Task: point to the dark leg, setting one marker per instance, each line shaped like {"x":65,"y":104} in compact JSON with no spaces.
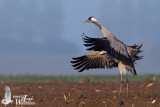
{"x":121,"y":84}
{"x":127,"y":84}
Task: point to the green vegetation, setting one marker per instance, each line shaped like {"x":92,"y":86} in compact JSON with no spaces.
{"x":75,"y":78}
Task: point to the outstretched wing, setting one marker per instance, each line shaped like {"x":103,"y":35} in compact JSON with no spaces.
{"x":7,"y":94}
{"x":95,"y":59}
{"x":115,"y":48}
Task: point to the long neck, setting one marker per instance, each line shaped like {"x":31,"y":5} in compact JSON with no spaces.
{"x":105,"y":31}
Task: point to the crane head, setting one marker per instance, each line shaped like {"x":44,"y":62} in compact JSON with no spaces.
{"x":90,"y":20}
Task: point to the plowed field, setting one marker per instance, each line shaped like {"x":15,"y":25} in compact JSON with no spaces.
{"x":85,"y":94}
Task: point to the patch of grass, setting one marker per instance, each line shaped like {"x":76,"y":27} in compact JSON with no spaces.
{"x":75,"y":78}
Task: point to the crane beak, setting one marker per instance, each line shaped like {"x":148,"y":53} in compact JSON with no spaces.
{"x":86,"y":21}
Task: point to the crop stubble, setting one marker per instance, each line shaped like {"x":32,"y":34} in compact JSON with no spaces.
{"x":86,"y":94}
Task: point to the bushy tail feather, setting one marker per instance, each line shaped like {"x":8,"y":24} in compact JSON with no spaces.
{"x":134,"y":52}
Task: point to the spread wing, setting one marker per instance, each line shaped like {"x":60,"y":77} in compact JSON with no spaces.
{"x":93,"y":60}
{"x":115,"y":48}
{"x":7,"y":94}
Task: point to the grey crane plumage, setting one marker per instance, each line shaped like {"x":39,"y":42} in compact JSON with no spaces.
{"x":108,"y":52}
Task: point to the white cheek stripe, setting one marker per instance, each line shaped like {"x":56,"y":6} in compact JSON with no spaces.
{"x":93,"y":19}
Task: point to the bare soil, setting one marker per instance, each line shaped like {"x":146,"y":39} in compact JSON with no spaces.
{"x":85,"y":94}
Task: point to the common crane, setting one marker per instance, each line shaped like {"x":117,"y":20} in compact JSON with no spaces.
{"x":108,"y":52}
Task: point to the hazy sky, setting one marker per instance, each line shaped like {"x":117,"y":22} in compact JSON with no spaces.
{"x":41,"y":36}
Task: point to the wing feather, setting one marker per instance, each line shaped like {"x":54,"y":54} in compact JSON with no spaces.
{"x":113,"y":46}
{"x":116,"y":49}
{"x":95,"y":59}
